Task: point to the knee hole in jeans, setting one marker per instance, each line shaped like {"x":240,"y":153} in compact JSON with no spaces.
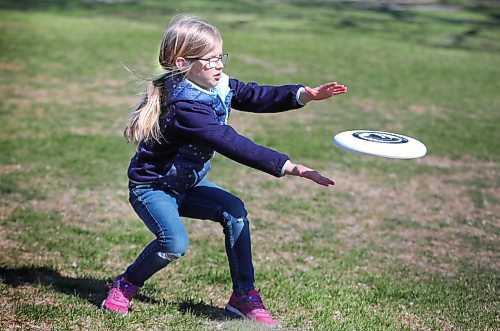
{"x":228,"y":218}
{"x":234,"y":226}
{"x":169,"y":256}
{"x":172,"y":250}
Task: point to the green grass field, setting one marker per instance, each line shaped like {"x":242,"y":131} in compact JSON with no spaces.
{"x":394,"y":245}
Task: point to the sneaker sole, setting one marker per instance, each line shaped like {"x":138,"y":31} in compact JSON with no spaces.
{"x":235,"y":312}
{"x":113,"y":311}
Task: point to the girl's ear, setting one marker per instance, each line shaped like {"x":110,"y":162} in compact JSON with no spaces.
{"x":180,"y":62}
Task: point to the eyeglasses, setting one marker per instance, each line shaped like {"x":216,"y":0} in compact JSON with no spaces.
{"x":213,"y":61}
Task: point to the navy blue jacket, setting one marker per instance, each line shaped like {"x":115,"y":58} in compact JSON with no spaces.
{"x":197,"y":126}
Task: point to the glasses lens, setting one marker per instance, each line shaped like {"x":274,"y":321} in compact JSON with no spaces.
{"x":212,"y":63}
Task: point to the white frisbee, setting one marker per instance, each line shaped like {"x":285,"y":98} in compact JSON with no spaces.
{"x":378,"y":143}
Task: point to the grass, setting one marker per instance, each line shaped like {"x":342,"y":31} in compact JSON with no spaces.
{"x":395,"y":245}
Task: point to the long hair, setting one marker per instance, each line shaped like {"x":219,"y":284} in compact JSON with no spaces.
{"x":188,"y":37}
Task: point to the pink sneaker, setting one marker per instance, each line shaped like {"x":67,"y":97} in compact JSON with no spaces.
{"x":250,"y":306}
{"x":120,"y":294}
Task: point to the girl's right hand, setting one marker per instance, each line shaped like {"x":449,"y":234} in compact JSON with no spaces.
{"x":303,"y":171}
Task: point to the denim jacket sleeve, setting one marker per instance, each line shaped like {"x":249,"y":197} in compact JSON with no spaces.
{"x":252,"y":97}
{"x":197,"y":123}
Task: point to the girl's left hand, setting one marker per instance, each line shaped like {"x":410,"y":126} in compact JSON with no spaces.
{"x":322,"y":92}
{"x":302,"y":171}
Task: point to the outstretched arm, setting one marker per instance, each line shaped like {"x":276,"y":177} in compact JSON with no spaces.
{"x":303,"y":171}
{"x":255,"y":98}
{"x":321,"y":92}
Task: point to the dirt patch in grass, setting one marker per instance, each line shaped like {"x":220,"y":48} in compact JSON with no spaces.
{"x":95,"y":211}
{"x":247,"y":124}
{"x":5,"y":243}
{"x":432,"y":110}
{"x":10,"y":168}
{"x":391,"y":113}
{"x":11,"y":66}
{"x":463,"y":163}
{"x":108,"y":100}
{"x":413,"y":322}
{"x":41,"y":91}
{"x":267,"y":66}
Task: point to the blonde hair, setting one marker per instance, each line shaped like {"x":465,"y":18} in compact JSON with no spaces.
{"x":188,"y":37}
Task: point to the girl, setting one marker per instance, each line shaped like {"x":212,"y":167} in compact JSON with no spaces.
{"x":178,"y":126}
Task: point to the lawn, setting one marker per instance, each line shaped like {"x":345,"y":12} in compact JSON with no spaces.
{"x":394,"y":245}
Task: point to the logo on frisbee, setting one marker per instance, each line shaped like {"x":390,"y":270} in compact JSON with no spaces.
{"x":380,"y":137}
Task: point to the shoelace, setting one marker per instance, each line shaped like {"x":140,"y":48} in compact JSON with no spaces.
{"x":255,"y":302}
{"x":122,"y":291}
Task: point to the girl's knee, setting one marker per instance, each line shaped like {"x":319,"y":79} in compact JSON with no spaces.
{"x":172,"y":248}
{"x":168,"y":256}
{"x":235,"y":226}
{"x":234,"y":214}
{"x":236,"y":208}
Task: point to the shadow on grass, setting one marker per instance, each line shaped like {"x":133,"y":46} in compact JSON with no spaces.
{"x":202,"y":309}
{"x":94,"y":290}
{"x":91,"y":289}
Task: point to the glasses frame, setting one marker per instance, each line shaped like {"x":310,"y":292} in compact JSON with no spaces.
{"x":212,"y":62}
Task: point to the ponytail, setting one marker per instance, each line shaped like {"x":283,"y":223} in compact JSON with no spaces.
{"x":143,"y":124}
{"x":187,"y":37}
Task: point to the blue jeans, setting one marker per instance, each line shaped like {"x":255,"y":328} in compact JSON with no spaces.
{"x":161,"y":210}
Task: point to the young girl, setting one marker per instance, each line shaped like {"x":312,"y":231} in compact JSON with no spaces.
{"x":178,"y":126}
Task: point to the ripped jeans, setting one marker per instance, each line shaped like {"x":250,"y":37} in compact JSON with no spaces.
{"x":161,"y":210}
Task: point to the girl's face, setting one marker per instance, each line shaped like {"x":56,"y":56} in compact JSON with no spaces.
{"x":202,"y":73}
